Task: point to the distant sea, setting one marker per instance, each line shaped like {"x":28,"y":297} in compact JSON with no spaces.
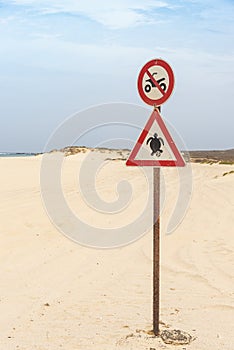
{"x":11,"y":154}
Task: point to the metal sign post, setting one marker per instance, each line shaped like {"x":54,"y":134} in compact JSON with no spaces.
{"x":156,"y":246}
{"x":155,"y":147}
{"x":156,"y":249}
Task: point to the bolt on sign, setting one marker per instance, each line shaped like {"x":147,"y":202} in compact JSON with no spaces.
{"x":155,"y":147}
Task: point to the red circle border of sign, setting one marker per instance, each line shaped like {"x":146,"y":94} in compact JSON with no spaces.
{"x":165,"y":65}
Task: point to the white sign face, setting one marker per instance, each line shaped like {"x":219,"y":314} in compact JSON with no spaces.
{"x":155,"y":82}
{"x":155,"y":146}
{"x":161,"y":77}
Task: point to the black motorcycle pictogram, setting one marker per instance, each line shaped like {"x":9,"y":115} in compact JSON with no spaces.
{"x":155,"y":145}
{"x":151,"y":84}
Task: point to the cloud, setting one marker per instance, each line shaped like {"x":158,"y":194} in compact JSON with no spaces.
{"x":45,"y":36}
{"x":121,"y":14}
{"x":6,"y":20}
{"x":115,"y":15}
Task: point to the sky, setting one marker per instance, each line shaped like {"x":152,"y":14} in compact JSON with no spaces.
{"x":59,"y":57}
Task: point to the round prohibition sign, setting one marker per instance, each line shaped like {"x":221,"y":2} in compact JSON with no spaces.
{"x":155,"y":82}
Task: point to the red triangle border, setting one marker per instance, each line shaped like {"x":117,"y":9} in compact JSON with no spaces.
{"x":179,"y":162}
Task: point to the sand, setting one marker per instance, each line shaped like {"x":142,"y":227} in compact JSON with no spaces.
{"x":56,"y":294}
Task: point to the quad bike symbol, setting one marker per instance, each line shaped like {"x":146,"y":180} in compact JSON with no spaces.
{"x":155,"y":145}
{"x":151,"y":84}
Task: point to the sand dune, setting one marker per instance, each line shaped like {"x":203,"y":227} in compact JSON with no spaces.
{"x":56,"y":294}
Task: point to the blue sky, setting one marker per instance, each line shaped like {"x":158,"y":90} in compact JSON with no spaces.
{"x":58,"y":57}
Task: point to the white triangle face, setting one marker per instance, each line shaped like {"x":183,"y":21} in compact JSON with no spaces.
{"x":157,"y":147}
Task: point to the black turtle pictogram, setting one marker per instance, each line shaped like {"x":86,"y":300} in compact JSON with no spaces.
{"x":155,"y":145}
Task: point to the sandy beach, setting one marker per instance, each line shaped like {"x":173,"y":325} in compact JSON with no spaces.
{"x":56,"y":294}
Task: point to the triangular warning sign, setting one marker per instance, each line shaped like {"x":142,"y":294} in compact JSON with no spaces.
{"x":155,"y":146}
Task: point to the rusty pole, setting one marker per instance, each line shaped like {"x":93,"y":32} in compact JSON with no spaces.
{"x":156,"y":245}
{"x":156,"y":249}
